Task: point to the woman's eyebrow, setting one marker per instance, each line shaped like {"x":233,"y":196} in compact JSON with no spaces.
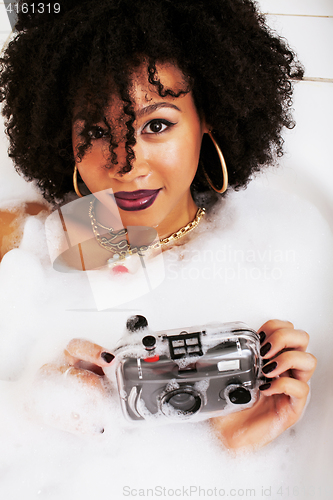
{"x":139,"y":114}
{"x":154,"y":107}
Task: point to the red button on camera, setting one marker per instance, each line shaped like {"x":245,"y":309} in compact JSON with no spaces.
{"x":152,"y":359}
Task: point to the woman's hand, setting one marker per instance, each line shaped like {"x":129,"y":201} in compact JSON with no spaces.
{"x":73,"y":393}
{"x":83,"y":360}
{"x":282,"y":398}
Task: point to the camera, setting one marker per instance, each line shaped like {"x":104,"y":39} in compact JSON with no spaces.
{"x":187,"y":373}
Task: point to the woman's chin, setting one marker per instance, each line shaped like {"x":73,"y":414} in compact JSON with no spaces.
{"x":140,"y":218}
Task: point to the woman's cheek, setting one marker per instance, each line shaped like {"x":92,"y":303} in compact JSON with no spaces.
{"x":91,"y":167}
{"x":184,"y":162}
{"x":175,"y":167}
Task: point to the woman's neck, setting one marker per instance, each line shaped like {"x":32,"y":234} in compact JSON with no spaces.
{"x":179,"y":217}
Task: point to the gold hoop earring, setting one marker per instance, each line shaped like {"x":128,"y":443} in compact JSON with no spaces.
{"x":223,"y":165}
{"x":76,"y":187}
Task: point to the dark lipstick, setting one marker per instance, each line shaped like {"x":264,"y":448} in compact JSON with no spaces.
{"x":136,"y":200}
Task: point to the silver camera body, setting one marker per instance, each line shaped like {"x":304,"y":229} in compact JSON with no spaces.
{"x":188,"y":373}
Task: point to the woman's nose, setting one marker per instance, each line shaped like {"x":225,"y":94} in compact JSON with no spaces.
{"x":139,"y":164}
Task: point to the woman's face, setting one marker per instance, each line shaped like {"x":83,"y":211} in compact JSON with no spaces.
{"x":156,"y":192}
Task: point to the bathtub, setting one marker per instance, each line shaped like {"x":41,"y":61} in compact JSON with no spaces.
{"x":44,"y":462}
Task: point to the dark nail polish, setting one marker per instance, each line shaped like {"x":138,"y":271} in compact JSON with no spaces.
{"x":264,"y":387}
{"x":265,"y":349}
{"x":269,"y":368}
{"x":107,"y":356}
{"x":262,"y":336}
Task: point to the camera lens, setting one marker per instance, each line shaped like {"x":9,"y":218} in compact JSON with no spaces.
{"x":184,"y":400}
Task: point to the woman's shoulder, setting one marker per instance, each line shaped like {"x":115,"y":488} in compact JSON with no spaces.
{"x":12,"y":219}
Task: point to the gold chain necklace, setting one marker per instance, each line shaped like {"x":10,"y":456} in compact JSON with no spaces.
{"x":121,"y":249}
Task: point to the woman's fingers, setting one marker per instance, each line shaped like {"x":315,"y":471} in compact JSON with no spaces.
{"x":295,"y":390}
{"x":300,"y":364}
{"x":274,"y":324}
{"x":87,"y":377}
{"x":284,"y":338}
{"x":78,"y":352}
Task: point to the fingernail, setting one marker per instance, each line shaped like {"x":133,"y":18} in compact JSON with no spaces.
{"x":265,"y":348}
{"x":107,"y":356}
{"x":262,"y":336}
{"x":264,"y":387}
{"x":269,"y":368}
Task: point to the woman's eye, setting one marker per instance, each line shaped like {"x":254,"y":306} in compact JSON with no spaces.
{"x":97,"y":132}
{"x":157,"y":126}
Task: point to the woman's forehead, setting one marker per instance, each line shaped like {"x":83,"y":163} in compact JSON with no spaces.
{"x":143,"y":94}
{"x":168,"y":74}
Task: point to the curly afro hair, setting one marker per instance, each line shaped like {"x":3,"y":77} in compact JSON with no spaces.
{"x":238,"y":71}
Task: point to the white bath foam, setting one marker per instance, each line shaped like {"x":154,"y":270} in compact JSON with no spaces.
{"x":39,"y":461}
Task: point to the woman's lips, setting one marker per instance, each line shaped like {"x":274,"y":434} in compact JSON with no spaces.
{"x":136,"y":200}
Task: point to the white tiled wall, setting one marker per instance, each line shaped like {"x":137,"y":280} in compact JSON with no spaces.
{"x":4,"y":25}
{"x":311,"y":38}
{"x":298,"y":7}
{"x":308,"y":166}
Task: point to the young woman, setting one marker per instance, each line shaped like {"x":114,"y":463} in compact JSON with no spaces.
{"x":139,"y":100}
